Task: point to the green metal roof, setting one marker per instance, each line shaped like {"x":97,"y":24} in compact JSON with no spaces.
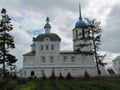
{"x":117,"y":58}
{"x":52,"y":36}
{"x":32,"y":53}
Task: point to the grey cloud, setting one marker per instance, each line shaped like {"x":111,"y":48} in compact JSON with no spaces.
{"x":49,"y":5}
{"x":111,"y":36}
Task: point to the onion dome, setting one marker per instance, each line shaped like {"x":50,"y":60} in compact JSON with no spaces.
{"x":51,"y":36}
{"x":80,"y":23}
{"x":47,"y":25}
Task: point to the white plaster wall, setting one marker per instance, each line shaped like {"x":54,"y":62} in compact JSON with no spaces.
{"x":28,"y":61}
{"x":77,"y":68}
{"x":85,"y":48}
{"x":103,"y":71}
{"x":77,"y":40}
{"x":74,"y":71}
{"x":116,"y":66}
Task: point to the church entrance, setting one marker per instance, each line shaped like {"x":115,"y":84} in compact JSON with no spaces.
{"x":32,"y":73}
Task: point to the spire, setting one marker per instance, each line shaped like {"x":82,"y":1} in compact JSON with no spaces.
{"x":80,"y":17}
{"x":47,"y":19}
{"x":47,"y":26}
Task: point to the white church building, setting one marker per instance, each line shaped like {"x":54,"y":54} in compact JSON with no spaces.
{"x":45,"y":55}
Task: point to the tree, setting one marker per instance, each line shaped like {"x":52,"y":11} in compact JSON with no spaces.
{"x":100,"y":59}
{"x":6,"y":41}
{"x":95,"y":31}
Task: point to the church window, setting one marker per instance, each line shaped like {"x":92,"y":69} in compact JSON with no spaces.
{"x":41,"y":47}
{"x":65,"y":69}
{"x":25,"y":60}
{"x":64,"y":58}
{"x":46,"y":47}
{"x":42,"y":72}
{"x":52,"y":47}
{"x":88,"y":32}
{"x":76,"y":33}
{"x":72,"y":59}
{"x":51,"y":59}
{"x":73,"y":69}
{"x":43,"y":59}
{"x":83,"y":33}
{"x":24,"y":73}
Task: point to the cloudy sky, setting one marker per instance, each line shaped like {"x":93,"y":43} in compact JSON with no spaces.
{"x":28,"y":18}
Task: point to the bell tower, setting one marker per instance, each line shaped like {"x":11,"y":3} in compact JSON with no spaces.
{"x":81,"y":35}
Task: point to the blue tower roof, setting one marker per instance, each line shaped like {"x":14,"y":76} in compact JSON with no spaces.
{"x":80,"y":23}
{"x":47,"y":25}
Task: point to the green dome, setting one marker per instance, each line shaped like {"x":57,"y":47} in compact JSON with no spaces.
{"x":52,"y":36}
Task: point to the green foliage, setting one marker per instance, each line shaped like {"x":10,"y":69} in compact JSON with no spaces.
{"x":95,"y":30}
{"x":84,"y":45}
{"x":96,"y":83}
{"x":100,"y":60}
{"x":8,"y":84}
{"x":29,"y":86}
{"x":85,"y":52}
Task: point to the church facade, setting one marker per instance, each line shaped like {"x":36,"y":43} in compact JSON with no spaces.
{"x":45,"y":55}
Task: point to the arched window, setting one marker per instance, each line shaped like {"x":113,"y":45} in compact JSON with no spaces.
{"x":32,"y":73}
{"x":76,"y":33}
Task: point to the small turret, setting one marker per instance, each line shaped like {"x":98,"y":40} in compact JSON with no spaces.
{"x":47,"y":26}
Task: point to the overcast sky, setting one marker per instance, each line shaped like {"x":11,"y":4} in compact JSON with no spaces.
{"x":28,"y":18}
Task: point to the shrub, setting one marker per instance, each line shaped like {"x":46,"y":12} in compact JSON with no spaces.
{"x":69,"y":76}
{"x":11,"y":85}
{"x":43,"y":76}
{"x":60,"y":76}
{"x":53,"y":75}
{"x":86,"y":75}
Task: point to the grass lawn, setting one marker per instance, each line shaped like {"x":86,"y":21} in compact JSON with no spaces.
{"x":73,"y":84}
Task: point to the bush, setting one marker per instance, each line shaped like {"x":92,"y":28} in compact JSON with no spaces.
{"x":11,"y":85}
{"x":86,"y":75}
{"x":30,"y":78}
{"x":53,"y":75}
{"x":60,"y":76}
{"x":3,"y":82}
{"x":43,"y":76}
{"x":8,"y":84}
{"x":69,"y":76}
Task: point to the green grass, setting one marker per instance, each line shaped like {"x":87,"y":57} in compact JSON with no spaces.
{"x":73,"y":84}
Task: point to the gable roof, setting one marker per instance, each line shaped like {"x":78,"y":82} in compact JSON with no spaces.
{"x":117,"y":58}
{"x":32,"y":53}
